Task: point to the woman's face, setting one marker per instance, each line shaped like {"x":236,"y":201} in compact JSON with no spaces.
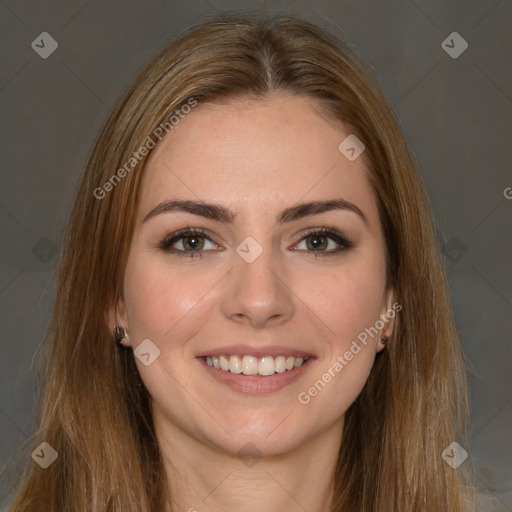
{"x":258,"y":280}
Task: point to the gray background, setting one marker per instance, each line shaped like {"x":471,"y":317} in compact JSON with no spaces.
{"x":456,"y":114}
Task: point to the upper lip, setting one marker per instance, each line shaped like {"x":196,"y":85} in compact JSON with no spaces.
{"x":256,"y":351}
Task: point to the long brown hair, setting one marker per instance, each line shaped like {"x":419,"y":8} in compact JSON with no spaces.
{"x":93,"y":408}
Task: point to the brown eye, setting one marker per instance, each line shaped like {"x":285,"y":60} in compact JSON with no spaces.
{"x":192,"y":243}
{"x":316,"y":242}
{"x":187,"y":242}
{"x":325,"y":242}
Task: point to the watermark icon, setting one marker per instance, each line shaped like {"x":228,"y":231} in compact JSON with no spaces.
{"x":455,"y":250}
{"x":249,"y":249}
{"x":249,"y":454}
{"x":44,"y":250}
{"x":146,"y":352}
{"x":454,"y":45}
{"x":454,"y":455}
{"x":45,"y":455}
{"x":351,"y":147}
{"x":149,"y":143}
{"x":44,"y":45}
{"x":304,"y":397}
{"x":507,"y":192}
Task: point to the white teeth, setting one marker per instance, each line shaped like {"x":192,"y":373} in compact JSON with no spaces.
{"x":250,"y":365}
{"x":267,"y":366}
{"x":280,"y":364}
{"x":224,"y":363}
{"x":235,"y":364}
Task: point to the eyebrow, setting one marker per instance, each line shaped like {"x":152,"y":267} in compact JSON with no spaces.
{"x":221,"y":214}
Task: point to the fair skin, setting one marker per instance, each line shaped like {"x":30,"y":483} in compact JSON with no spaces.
{"x":254,"y":158}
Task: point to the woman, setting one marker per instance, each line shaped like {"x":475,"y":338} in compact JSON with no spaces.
{"x":252,"y":312}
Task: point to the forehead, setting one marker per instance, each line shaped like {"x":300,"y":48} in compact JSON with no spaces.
{"x":265,"y":154}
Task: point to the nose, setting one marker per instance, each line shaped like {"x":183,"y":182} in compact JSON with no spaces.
{"x":258,"y":293}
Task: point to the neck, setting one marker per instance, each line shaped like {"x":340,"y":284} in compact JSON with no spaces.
{"x":202,"y":477}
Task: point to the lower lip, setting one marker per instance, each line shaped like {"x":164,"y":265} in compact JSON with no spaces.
{"x":256,"y":384}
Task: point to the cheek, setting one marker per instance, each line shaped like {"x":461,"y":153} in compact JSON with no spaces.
{"x":159,"y":302}
{"x":347,"y":301}
{"x":340,"y":377}
{"x":349,"y":304}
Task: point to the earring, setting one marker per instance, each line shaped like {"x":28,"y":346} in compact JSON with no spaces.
{"x":120,"y":333}
{"x":384,"y":340}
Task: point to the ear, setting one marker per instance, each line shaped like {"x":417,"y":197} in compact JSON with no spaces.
{"x":116,"y":315}
{"x":388,"y":312}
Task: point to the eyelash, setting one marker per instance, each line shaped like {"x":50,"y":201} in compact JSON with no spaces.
{"x":169,"y":240}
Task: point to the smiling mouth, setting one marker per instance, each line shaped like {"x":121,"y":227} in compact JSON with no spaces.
{"x":251,"y":365}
